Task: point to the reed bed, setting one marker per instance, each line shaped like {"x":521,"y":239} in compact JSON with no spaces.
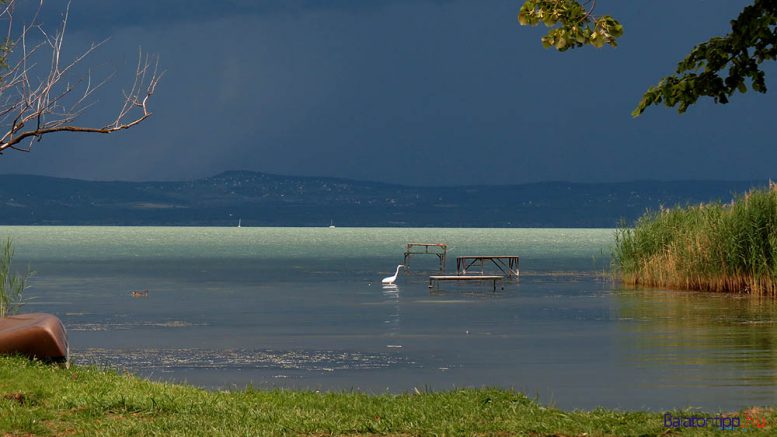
{"x":712,"y":247}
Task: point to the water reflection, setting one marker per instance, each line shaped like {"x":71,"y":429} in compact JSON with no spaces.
{"x":700,"y":338}
{"x":391,"y":297}
{"x":390,"y":288}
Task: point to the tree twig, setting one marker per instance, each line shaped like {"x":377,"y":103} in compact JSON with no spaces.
{"x":32,"y":108}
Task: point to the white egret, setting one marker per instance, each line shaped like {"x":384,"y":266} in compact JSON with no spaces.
{"x":391,"y":279}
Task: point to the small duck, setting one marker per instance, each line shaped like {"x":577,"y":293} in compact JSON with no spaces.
{"x":139,"y":293}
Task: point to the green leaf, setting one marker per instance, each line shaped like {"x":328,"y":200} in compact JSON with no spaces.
{"x":573,"y":19}
{"x":522,"y":18}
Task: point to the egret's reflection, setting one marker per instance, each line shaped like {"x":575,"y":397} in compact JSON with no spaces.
{"x":390,"y":289}
{"x":392,"y":321}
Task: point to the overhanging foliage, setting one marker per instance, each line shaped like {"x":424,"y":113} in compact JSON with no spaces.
{"x":717,"y":68}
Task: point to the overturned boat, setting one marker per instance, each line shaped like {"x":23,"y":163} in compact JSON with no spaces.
{"x":35,"y":335}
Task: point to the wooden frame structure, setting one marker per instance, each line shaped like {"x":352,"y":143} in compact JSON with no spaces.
{"x":438,"y":249}
{"x":506,"y":264}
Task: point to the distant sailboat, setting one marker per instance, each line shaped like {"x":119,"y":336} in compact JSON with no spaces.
{"x":331,"y":224}
{"x":239,"y":221}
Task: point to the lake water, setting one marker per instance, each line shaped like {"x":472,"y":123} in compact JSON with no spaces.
{"x":304,"y":308}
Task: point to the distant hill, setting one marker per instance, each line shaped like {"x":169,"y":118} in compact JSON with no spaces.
{"x":261,"y":199}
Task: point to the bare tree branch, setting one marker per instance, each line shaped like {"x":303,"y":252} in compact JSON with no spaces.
{"x":31,"y":108}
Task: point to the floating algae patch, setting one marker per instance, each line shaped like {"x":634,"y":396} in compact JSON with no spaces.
{"x":237,"y":359}
{"x":130,"y":325}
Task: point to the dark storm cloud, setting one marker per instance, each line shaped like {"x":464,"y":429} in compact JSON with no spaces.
{"x":98,"y":15}
{"x":428,"y":92}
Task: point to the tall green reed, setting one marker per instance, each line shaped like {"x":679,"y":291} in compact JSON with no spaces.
{"x":716,"y":247}
{"x":12,"y":285}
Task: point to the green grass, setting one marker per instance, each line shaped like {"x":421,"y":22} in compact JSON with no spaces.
{"x":36,"y":399}
{"x":711,"y":247}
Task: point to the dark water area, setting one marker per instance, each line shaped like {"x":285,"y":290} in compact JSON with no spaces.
{"x":304,"y":308}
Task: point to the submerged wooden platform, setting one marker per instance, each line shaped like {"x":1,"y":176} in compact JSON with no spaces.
{"x":507,"y":264}
{"x":438,"y":249}
{"x":435,"y":280}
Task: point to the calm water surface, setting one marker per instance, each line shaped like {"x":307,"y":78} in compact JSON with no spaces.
{"x":304,"y":308}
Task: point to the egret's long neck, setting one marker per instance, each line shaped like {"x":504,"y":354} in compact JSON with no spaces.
{"x":397,"y":272}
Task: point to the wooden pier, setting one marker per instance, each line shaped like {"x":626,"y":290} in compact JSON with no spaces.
{"x":435,"y":280}
{"x":506,"y":264}
{"x":438,"y":249}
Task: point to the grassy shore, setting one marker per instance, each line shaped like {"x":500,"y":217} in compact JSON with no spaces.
{"x":711,"y":247}
{"x":37,"y":399}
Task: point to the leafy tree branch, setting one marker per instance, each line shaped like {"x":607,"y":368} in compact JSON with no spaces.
{"x":716,"y":68}
{"x":723,"y":65}
{"x":572,"y":24}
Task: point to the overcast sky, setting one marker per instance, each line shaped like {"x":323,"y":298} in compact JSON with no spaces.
{"x":435,"y":92}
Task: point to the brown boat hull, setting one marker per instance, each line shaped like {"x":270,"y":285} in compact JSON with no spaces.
{"x":35,"y":335}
